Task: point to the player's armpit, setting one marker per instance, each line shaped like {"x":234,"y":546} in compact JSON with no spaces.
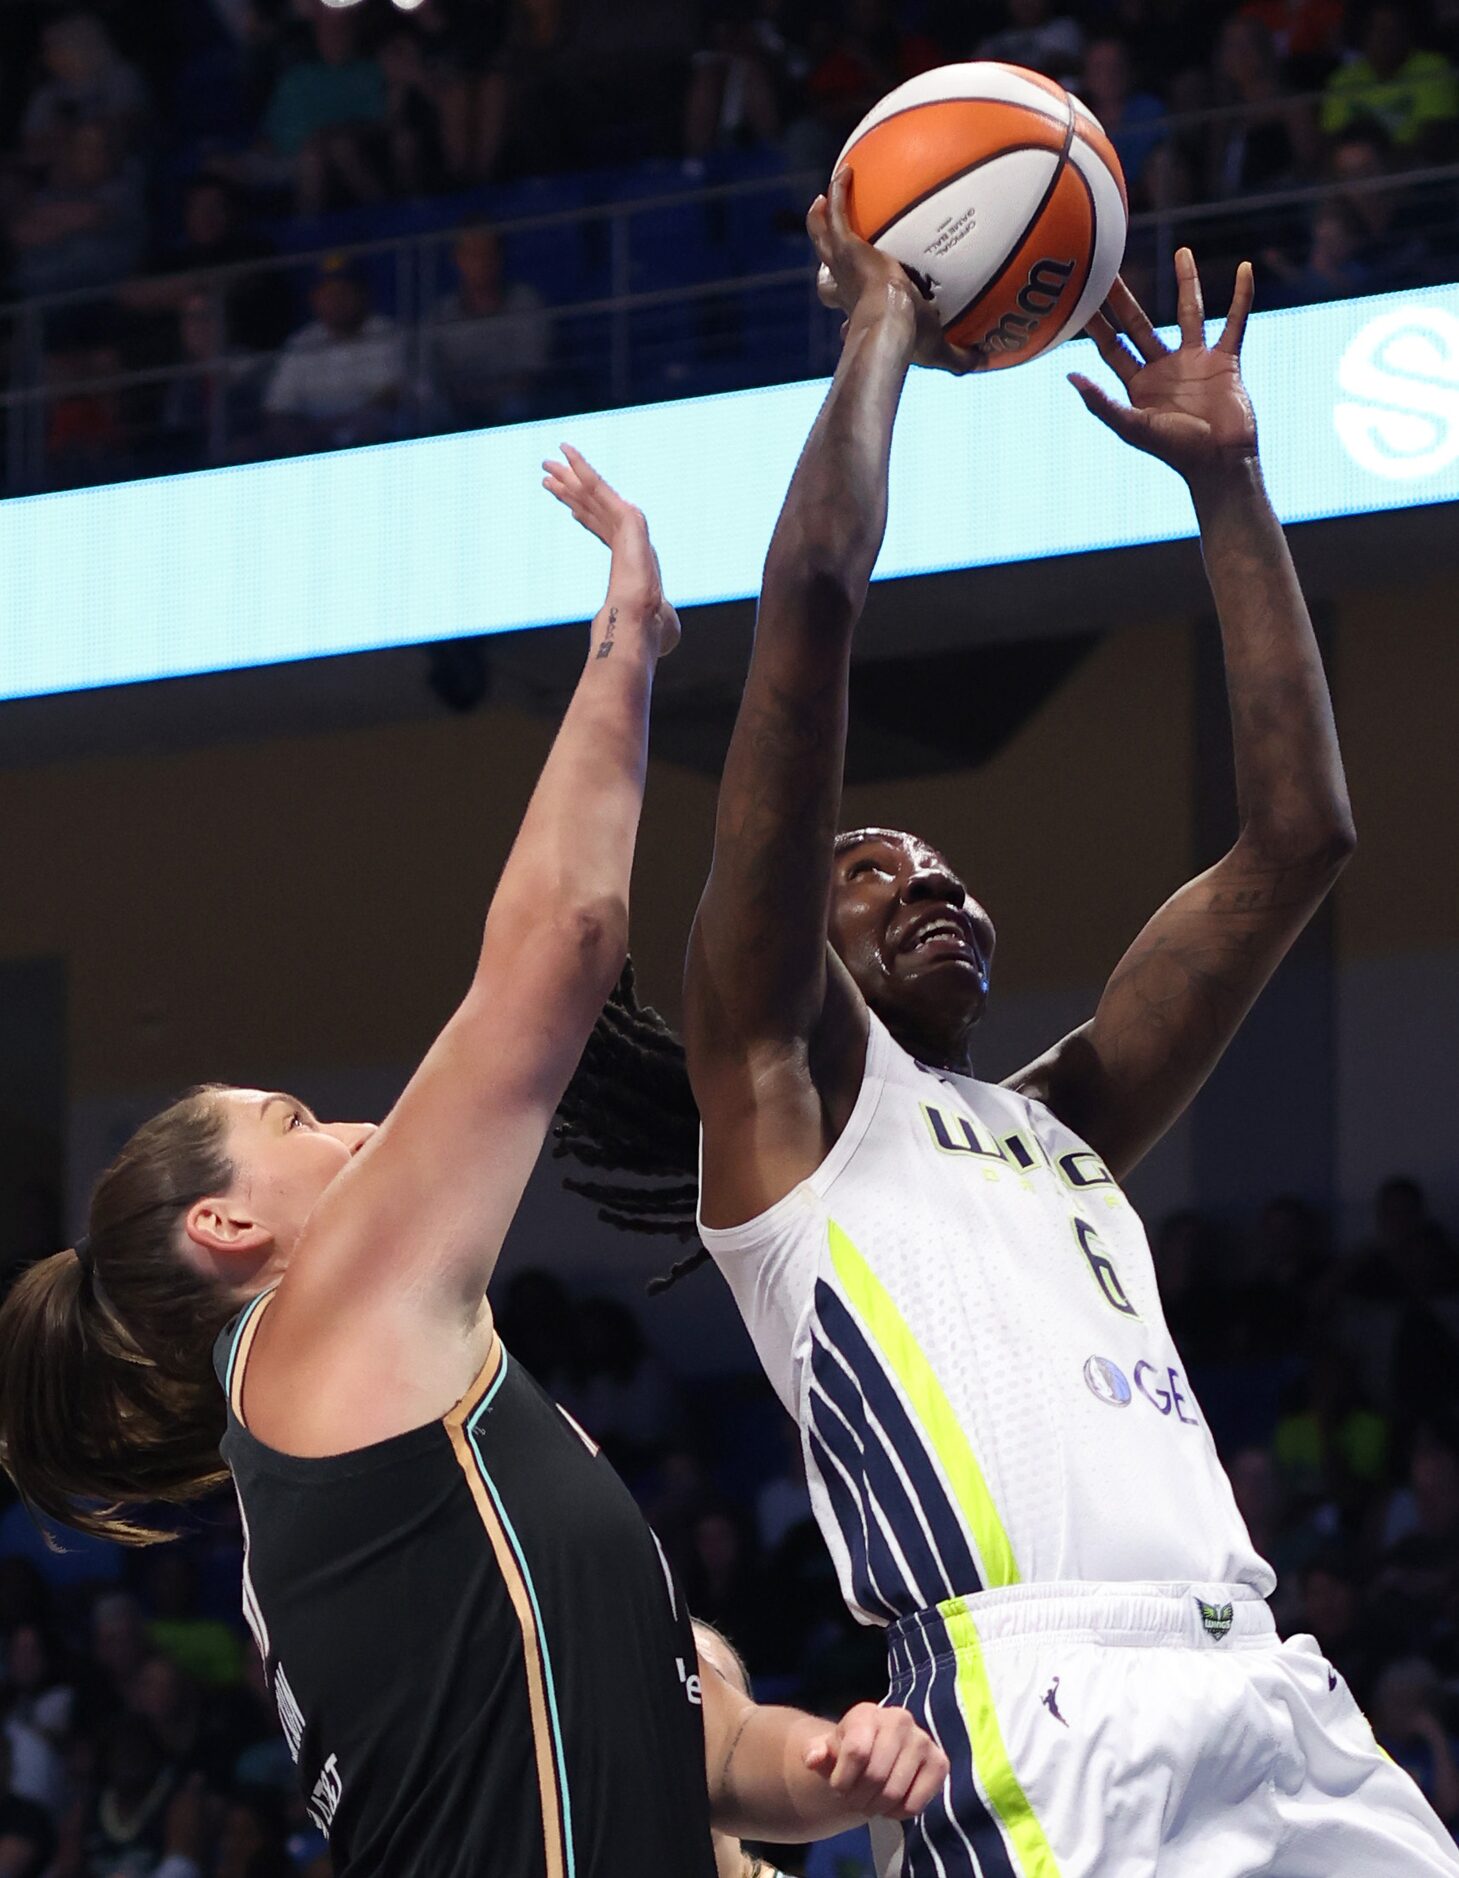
{"x":1176,"y":999}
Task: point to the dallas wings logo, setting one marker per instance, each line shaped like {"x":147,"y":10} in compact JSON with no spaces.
{"x":1216,"y":1618}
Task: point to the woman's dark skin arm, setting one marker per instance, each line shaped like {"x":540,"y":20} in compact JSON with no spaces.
{"x":1179,"y":994}
{"x":769,"y":1015}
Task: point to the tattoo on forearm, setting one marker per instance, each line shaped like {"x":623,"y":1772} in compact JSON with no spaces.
{"x":605,"y":645}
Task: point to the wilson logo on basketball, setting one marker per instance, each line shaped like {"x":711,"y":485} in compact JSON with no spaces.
{"x":1037,"y":299}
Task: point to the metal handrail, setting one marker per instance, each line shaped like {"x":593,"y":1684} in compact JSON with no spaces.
{"x":416,"y":254}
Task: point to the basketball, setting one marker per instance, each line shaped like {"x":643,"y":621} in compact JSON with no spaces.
{"x":1002,"y":197}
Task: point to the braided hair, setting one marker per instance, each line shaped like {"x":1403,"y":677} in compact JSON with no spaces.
{"x":629,"y":1110}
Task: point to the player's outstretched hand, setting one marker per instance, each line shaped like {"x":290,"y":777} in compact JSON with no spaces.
{"x":853,"y":271}
{"x":881,"y":1763}
{"x":1187,"y":407}
{"x":635,"y":578}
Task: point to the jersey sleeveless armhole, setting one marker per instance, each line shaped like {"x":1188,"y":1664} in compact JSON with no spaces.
{"x":479,"y":1656}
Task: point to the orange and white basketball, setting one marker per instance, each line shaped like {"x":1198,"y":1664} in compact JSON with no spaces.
{"x":1002,"y":197}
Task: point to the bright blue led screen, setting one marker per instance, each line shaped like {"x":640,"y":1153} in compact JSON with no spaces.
{"x":1359,"y":409}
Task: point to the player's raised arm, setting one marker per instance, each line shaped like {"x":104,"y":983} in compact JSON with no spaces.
{"x":1179,"y":993}
{"x":758,"y":965}
{"x":403,"y":1243}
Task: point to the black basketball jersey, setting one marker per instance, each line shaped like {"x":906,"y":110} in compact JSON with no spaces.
{"x":481,"y":1661}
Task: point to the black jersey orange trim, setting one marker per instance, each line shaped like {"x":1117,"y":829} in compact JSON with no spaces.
{"x":554,"y":1835}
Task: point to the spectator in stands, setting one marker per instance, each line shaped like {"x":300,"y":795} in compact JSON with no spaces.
{"x":37,"y":1768}
{"x":140,"y":1815}
{"x":342,"y":377}
{"x":1411,"y":93}
{"x":1332,"y":1611}
{"x":1038,"y":37}
{"x":490,"y":339}
{"x":324,"y":128}
{"x":1406,"y":1238}
{"x":724,"y":1586}
{"x":24,"y":1594}
{"x":620,"y":1391}
{"x":1333,"y":268}
{"x":1331,"y":1445}
{"x":449,"y":46}
{"x":1307,"y":35}
{"x":1267,"y":138}
{"x":1418,"y":1574}
{"x":36,"y":1692}
{"x":27,"y":1834}
{"x":215,"y":234}
{"x":210,"y":410}
{"x":734,"y":91}
{"x":1407,"y":1706}
{"x":1134,"y":119}
{"x":86,"y":81}
{"x":254,"y":1839}
{"x":86,"y":429}
{"x":201,"y":1731}
{"x":85,"y":225}
{"x":1169,"y":36}
{"x":119,"y":1647}
{"x":209,"y":1650}
{"x":514,"y":114}
{"x":853,"y":59}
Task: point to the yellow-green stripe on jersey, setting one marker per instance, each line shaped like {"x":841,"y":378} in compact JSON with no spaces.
{"x":930,"y":1416}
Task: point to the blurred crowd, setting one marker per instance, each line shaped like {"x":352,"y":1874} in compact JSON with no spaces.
{"x":141,"y":148}
{"x":138,"y":1741}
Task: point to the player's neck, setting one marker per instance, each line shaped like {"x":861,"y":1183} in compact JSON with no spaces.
{"x":935,"y":1049}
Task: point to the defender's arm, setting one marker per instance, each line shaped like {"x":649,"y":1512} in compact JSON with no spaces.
{"x":1177,"y":996}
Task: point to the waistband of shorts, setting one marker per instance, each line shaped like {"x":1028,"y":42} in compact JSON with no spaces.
{"x":1201,"y":1616}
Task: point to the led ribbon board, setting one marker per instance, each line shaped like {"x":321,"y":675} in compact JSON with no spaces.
{"x":410,"y":542}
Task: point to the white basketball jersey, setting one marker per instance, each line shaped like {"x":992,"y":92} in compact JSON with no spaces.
{"x":959,"y":1308}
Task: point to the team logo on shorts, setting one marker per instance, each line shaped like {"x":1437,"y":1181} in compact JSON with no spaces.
{"x":1215,"y":1617}
{"x":1107,"y":1382}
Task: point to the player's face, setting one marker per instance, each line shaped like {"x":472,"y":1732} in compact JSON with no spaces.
{"x":916,"y":942}
{"x":284,"y":1157}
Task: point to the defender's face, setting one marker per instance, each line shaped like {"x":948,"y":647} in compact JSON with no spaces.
{"x":913,"y":938}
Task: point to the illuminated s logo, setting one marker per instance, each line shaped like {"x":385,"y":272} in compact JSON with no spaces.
{"x":1400,"y":416}
{"x":1107,"y":1382}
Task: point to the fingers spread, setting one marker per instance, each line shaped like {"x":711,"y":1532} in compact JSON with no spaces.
{"x":1235,"y":328}
{"x":1124,"y":422}
{"x":1125,"y":312}
{"x":1112,"y":349}
{"x":1191,"y":305}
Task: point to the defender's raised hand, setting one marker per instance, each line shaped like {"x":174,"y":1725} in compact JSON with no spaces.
{"x":853,"y":274}
{"x":636,"y":577}
{"x":1187,"y":407}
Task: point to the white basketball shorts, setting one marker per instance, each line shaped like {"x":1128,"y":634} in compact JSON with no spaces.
{"x":1147,"y":1731}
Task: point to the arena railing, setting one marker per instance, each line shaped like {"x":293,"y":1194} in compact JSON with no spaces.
{"x":673,"y":294}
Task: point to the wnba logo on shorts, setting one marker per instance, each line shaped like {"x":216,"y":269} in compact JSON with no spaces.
{"x":1107,"y":1382}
